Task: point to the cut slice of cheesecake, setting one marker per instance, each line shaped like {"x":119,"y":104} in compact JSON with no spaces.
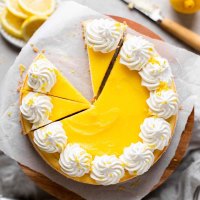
{"x":38,"y":110}
{"x":102,"y":38}
{"x":44,"y":77}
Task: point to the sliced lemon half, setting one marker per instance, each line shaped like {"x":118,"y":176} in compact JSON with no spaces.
{"x":31,"y":24}
{"x":38,"y":7}
{"x":11,"y":24}
{"x":15,"y":9}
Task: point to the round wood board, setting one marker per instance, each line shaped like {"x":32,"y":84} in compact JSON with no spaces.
{"x":63,"y":194}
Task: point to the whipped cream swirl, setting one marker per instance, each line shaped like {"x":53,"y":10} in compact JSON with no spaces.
{"x":155,"y":72}
{"x":41,"y":76}
{"x":51,"y":138}
{"x":164,"y":103}
{"x":36,"y":108}
{"x":155,"y":132}
{"x":137,"y":158}
{"x":136,"y":52}
{"x":103,"y":35}
{"x":75,"y":161}
{"x":107,"y":170}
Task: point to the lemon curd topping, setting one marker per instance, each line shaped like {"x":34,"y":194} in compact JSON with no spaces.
{"x":98,"y":66}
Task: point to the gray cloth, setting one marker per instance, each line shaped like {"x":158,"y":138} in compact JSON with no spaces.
{"x":15,"y":184}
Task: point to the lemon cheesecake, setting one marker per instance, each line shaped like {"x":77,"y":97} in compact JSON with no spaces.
{"x":126,"y":129}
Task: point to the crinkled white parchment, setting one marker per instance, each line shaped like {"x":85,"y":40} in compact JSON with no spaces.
{"x":61,"y":38}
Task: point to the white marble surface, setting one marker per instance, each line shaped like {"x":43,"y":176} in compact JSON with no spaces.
{"x":116,"y":7}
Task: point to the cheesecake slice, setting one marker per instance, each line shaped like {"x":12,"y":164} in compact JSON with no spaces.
{"x":102,"y":38}
{"x":38,"y":109}
{"x":44,"y":77}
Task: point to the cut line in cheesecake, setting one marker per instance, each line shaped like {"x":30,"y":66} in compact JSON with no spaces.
{"x":38,"y":110}
{"x":110,"y":67}
{"x":103,"y":37}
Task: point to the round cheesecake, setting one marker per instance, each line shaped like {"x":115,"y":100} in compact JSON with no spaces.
{"x":127,"y":127}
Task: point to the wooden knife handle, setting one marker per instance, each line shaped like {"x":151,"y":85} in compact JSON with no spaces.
{"x":182,"y":33}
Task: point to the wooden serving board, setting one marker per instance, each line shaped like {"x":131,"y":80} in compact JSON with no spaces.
{"x":63,"y":194}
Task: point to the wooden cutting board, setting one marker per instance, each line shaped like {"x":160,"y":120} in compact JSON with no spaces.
{"x":63,"y":194}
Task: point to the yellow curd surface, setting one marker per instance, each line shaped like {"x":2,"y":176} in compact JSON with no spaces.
{"x":114,"y":120}
{"x":98,"y":63}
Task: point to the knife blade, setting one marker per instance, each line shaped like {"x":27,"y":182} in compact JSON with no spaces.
{"x":145,"y":7}
{"x":153,"y":12}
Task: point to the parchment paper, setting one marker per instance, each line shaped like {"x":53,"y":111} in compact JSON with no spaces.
{"x":61,"y":37}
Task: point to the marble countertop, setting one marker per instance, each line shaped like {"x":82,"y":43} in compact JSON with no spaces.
{"x":8,"y":53}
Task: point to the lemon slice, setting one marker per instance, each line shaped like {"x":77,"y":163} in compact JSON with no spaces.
{"x":31,"y":24}
{"x":38,"y":7}
{"x":15,"y":9}
{"x":11,"y":24}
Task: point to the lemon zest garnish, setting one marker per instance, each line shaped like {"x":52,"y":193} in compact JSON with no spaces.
{"x":124,"y":164}
{"x":152,"y":146}
{"x":128,"y":56}
{"x":164,"y":102}
{"x":118,"y":26}
{"x":163,"y":86}
{"x":43,"y":87}
{"x":30,"y":102}
{"x":51,"y":69}
{"x":151,"y":49}
{"x":34,"y":76}
{"x":47,"y":134}
{"x":152,"y":60}
{"x":134,"y":173}
{"x":59,"y":145}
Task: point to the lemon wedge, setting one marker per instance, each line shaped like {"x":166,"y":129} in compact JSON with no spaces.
{"x":11,"y":24}
{"x":31,"y":24}
{"x":14,"y":8}
{"x":38,"y":7}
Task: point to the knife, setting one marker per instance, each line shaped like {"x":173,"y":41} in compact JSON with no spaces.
{"x":153,"y":12}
